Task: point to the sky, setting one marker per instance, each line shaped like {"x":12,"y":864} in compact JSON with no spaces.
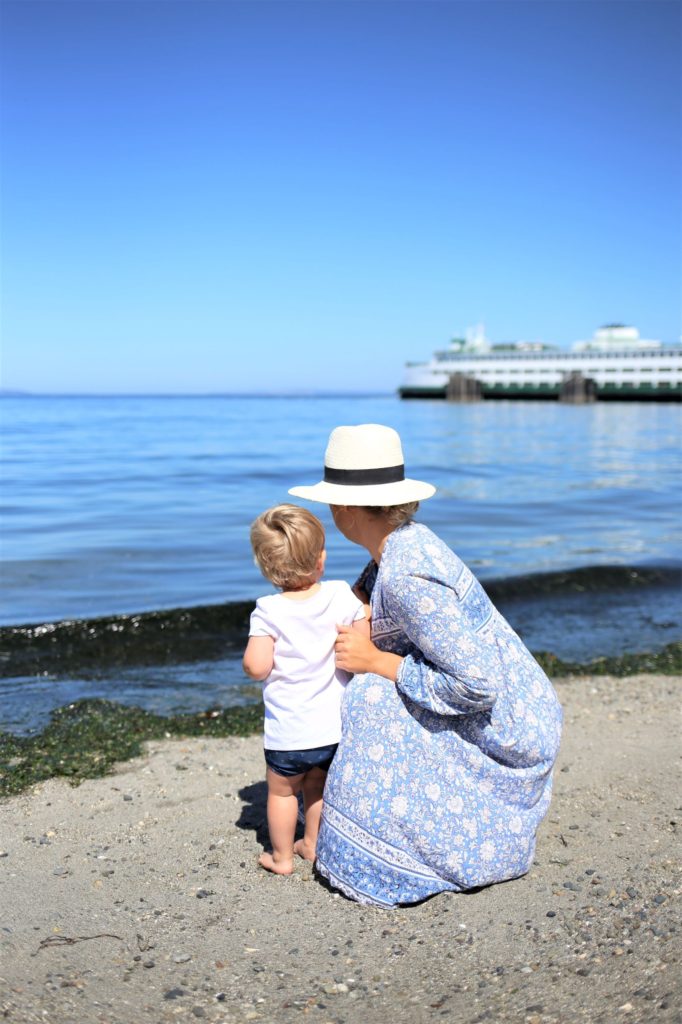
{"x":210,"y":196}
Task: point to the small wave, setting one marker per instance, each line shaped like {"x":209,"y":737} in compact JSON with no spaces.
{"x":593,"y":579}
{"x":178,"y":635}
{"x":209,"y":632}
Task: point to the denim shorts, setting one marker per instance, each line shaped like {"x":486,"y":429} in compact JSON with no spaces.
{"x":296,"y":762}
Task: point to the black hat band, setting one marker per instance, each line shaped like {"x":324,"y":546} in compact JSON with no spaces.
{"x":360,"y":477}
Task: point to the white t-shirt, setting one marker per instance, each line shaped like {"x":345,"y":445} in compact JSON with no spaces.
{"x":302,"y":694}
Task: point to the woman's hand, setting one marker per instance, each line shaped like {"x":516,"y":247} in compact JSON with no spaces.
{"x":356,"y":653}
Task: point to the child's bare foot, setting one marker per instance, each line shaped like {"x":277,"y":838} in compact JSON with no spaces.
{"x":279,"y":867}
{"x":304,"y":849}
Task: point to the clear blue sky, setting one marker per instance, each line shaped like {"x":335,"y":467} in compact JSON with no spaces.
{"x":227,"y":196}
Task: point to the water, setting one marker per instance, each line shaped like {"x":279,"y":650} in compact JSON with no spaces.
{"x":122,"y":505}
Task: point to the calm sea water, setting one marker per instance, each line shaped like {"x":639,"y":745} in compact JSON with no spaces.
{"x":130,"y":504}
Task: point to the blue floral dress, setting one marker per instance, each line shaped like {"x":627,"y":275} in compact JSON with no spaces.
{"x":441,"y":778}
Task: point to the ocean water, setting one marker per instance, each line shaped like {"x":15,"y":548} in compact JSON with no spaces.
{"x":127,"y":505}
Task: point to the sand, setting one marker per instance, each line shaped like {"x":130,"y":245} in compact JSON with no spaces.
{"x":137,"y":898}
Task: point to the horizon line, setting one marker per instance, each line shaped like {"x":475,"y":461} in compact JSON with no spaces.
{"x":18,"y":393}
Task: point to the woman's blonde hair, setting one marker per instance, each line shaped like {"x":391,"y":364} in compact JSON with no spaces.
{"x":395,"y":515}
{"x":287,"y":541}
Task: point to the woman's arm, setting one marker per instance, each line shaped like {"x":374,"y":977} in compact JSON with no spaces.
{"x":258,"y":657}
{"x":456,"y":668}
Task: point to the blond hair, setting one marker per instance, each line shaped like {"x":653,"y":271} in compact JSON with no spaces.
{"x":395,"y":515}
{"x":287,"y":541}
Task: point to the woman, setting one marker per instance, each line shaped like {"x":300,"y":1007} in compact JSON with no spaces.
{"x":450,"y":727}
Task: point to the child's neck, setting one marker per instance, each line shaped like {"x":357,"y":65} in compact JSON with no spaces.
{"x":301,"y":592}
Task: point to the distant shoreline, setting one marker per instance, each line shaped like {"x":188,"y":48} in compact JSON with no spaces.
{"x":197,"y":394}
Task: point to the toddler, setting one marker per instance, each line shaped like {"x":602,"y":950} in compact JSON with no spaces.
{"x":291,"y":649}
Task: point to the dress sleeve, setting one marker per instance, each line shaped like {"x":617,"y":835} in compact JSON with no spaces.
{"x":454,"y":670}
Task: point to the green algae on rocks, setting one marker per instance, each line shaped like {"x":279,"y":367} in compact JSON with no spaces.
{"x":85,"y":739}
{"x":667,"y":662}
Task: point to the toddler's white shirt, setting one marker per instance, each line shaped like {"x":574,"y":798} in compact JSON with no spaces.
{"x":302,"y":694}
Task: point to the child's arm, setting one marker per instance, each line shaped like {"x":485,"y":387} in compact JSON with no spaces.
{"x":259,"y":657}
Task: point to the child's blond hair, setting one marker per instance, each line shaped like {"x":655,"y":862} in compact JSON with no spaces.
{"x":287,"y":541}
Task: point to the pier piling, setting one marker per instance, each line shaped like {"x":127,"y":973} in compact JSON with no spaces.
{"x":462,"y":388}
{"x":577,"y":389}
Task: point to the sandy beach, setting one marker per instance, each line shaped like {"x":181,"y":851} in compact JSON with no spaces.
{"x":137,"y":898}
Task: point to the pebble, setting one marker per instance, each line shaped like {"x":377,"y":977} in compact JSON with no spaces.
{"x":182,"y":958}
{"x":660,"y":899}
{"x":174,"y":993}
{"x":203,"y":893}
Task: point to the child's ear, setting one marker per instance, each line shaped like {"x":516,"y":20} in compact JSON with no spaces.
{"x":321,"y":560}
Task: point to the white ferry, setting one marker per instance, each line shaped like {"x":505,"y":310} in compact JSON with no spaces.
{"x":615,"y":364}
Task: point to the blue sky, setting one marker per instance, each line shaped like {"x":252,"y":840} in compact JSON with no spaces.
{"x":227,"y":196}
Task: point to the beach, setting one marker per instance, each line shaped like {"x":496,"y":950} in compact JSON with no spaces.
{"x":136,"y":897}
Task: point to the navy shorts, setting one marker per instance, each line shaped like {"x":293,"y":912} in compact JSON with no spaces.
{"x":296,"y":762}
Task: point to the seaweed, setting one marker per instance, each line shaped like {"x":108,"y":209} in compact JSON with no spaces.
{"x":667,"y":661}
{"x":85,"y":739}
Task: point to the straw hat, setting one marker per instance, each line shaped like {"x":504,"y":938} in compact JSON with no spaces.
{"x":364,"y":465}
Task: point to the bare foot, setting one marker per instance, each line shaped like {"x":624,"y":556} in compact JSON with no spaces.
{"x":304,"y":850}
{"x":281,"y":867}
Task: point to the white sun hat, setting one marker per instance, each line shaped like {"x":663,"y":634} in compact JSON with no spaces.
{"x":364,"y":465}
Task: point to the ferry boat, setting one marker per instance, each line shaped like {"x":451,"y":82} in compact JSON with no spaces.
{"x":614,"y":364}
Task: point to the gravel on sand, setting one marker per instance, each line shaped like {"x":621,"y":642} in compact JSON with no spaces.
{"x":136,"y":898}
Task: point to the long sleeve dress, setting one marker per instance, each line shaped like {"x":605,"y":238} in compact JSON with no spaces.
{"x":441,"y":778}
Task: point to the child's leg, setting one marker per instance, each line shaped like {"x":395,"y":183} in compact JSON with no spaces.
{"x":282,"y":813}
{"x":313,"y":788}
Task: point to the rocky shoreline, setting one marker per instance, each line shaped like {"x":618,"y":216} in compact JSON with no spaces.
{"x":135,"y":897}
